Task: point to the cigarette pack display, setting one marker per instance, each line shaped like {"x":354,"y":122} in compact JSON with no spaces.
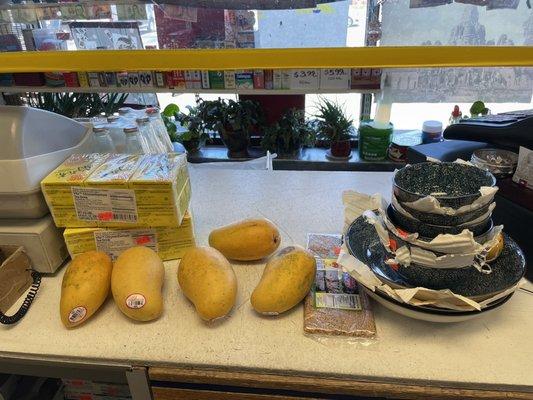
{"x":122,"y":79}
{"x":244,"y":79}
{"x":216,"y":79}
{"x":94,"y":81}
{"x":269,"y":79}
{"x":134,"y":80}
{"x":276,"y":79}
{"x":160,"y":79}
{"x":146,"y":79}
{"x":71,"y":79}
{"x":193,"y":79}
{"x":205,"y":80}
{"x":229,"y":80}
{"x":259,"y":79}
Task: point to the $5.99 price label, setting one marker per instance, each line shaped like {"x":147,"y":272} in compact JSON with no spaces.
{"x":335,"y":78}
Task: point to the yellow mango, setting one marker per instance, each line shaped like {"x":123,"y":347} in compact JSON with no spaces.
{"x":247,"y":240}
{"x":85,"y":287}
{"x":208,"y":281}
{"x":136,"y":283}
{"x":496,"y":250}
{"x":287,"y":278}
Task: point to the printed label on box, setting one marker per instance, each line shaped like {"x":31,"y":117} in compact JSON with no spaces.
{"x":105,"y":205}
{"x":115,"y":242}
{"x":337,"y":300}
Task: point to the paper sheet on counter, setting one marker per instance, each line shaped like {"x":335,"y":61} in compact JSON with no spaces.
{"x":355,"y":205}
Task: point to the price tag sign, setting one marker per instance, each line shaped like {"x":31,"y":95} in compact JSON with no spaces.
{"x":335,"y":78}
{"x":129,"y":12}
{"x":304,"y":79}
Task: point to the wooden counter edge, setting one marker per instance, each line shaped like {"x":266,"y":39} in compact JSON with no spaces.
{"x":326,"y":385}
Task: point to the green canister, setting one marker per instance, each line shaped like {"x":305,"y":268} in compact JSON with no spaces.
{"x":374,"y":140}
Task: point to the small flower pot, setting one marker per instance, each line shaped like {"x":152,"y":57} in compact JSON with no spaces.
{"x":237,"y":144}
{"x":192,"y":146}
{"x":341,"y":149}
{"x":289,"y":154}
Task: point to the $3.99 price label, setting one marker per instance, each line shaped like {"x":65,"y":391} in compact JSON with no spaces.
{"x":305,"y":79}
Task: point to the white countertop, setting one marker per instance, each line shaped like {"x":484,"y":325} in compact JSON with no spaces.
{"x":493,"y":351}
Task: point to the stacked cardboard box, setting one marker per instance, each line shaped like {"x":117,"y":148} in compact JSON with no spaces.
{"x":110,"y":202}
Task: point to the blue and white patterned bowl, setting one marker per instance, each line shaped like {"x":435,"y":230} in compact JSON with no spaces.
{"x":452,"y":184}
{"x":429,"y":230}
{"x":480,"y":234}
{"x":364,"y":243}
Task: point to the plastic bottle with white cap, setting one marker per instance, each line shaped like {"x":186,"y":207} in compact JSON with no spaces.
{"x":432,"y":132}
{"x":102,"y":140}
{"x":159,"y":127}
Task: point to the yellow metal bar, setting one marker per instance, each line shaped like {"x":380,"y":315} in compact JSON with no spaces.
{"x":194,"y":59}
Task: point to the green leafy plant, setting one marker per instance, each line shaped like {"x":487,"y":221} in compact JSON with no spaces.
{"x":333,"y":125}
{"x":289,"y":134}
{"x":196,"y":134}
{"x":478,"y":108}
{"x":232,"y":120}
{"x":169,"y":116}
{"x":78,"y":105}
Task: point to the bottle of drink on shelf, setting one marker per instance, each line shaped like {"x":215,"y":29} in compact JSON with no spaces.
{"x":149,"y":136}
{"x":102,"y":141}
{"x":134,"y":142}
{"x":116,"y":131}
{"x":159,"y":127}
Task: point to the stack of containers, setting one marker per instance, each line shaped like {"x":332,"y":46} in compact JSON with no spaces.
{"x":110,"y":202}
{"x":145,"y":126}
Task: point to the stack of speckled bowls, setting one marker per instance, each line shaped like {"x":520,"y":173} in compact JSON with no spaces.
{"x":467,"y":194}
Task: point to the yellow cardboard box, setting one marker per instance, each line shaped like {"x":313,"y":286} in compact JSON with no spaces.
{"x":169,"y":242}
{"x":119,"y":190}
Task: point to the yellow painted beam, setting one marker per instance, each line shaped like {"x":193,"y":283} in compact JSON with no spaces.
{"x":357,"y":57}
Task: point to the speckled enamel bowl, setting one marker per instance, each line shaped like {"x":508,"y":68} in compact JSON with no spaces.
{"x":364,"y":243}
{"x":431,"y":231}
{"x":447,"y":220}
{"x":452,"y":184}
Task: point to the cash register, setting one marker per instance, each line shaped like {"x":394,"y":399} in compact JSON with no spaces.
{"x":509,"y":131}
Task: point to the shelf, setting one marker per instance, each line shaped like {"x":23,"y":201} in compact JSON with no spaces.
{"x":220,"y":4}
{"x":62,"y":89}
{"x":236,"y":59}
{"x":30,"y":6}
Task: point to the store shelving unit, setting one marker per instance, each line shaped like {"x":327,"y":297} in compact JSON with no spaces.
{"x":151,"y":89}
{"x":236,"y":59}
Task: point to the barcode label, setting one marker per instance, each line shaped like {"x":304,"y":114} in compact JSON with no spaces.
{"x":77,"y":314}
{"x":135,"y":301}
{"x":105,"y":205}
{"x":338,"y":301}
{"x":114,"y":242}
{"x":124,"y":217}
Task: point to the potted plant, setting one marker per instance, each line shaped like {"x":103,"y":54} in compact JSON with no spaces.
{"x":289,"y":134}
{"x":195,"y":135}
{"x":334,"y":127}
{"x":233,"y":120}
